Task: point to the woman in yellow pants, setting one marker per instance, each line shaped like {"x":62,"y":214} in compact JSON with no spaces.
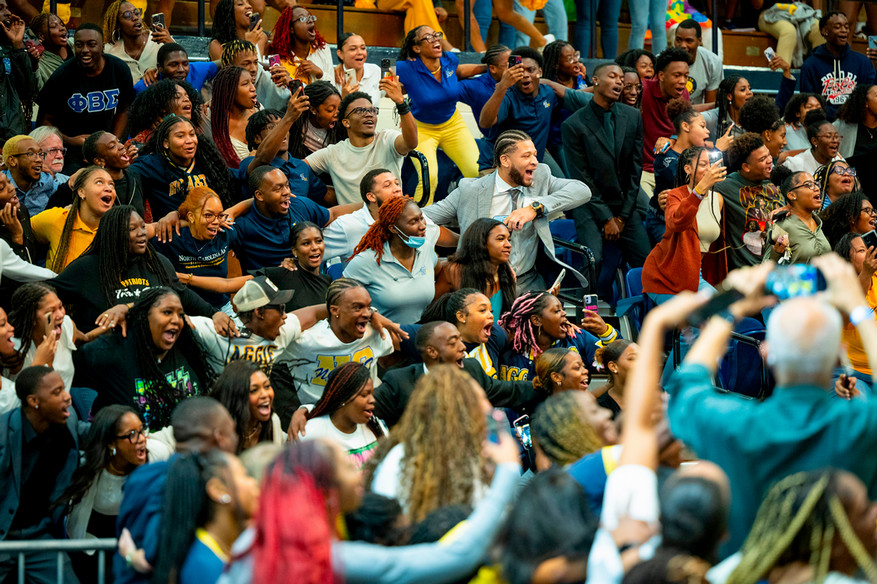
{"x":431,"y":77}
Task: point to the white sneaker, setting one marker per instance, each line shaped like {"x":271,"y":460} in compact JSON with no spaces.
{"x":549,"y":38}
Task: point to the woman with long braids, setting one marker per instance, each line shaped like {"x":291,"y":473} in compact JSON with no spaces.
{"x":234,"y":101}
{"x":396,"y":261}
{"x":209,"y":499}
{"x":536,"y":322}
{"x":317,"y":127}
{"x":69,"y":232}
{"x":245,"y":391}
{"x":231,"y":21}
{"x":345,"y":413}
{"x":116,"y":445}
{"x":101,"y":286}
{"x":156,"y":102}
{"x":152,"y":368}
{"x":482,"y":262}
{"x":52,"y":34}
{"x":562,"y":65}
{"x":434,"y":458}
{"x":616,"y":358}
{"x":734,"y":91}
{"x":431,"y":77}
{"x":818,"y":525}
{"x":692,"y":216}
{"x":836,"y":179}
{"x":303,"y":50}
{"x":177,"y":158}
{"x":128,"y":38}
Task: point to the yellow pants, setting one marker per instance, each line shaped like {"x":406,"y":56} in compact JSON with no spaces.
{"x":456,"y":140}
{"x":786,"y":35}
{"x":417,"y":12}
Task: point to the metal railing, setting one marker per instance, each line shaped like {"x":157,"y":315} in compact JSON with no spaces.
{"x":23,"y":548}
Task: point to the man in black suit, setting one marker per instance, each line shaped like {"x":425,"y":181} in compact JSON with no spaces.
{"x":440,"y":342}
{"x":603,"y":143}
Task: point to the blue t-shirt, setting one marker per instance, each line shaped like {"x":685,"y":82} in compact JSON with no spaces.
{"x":198,"y":74}
{"x":528,"y":114}
{"x":518,"y":367}
{"x":303,"y":182}
{"x":202,"y":565}
{"x":202,"y":258}
{"x":165,"y":185}
{"x":263,"y":242}
{"x":432,"y":102}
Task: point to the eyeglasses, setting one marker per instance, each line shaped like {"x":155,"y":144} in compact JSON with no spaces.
{"x":436,"y":36}
{"x":636,"y":86}
{"x":32,"y":155}
{"x":133,"y":436}
{"x":834,"y":136}
{"x":211,"y":217}
{"x":807,"y":184}
{"x":844,"y":171}
{"x":363,"y":111}
{"x":574,"y":58}
{"x":307,"y":19}
{"x":870,"y":211}
{"x":132,"y":14}
{"x":54,"y":151}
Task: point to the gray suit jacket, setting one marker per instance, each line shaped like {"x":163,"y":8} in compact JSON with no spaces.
{"x":471,"y":201}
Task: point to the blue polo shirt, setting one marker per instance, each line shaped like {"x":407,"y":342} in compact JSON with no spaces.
{"x":475,"y":92}
{"x":198,"y":74}
{"x":201,"y":258}
{"x":264,"y":242}
{"x":432,"y":102}
{"x":37,"y":196}
{"x":529,"y":114}
{"x":303,"y":182}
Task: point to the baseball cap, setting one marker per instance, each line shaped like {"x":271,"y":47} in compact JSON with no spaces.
{"x":260,"y":292}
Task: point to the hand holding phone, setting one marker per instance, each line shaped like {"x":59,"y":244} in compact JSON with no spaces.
{"x":555,"y":288}
{"x":158,"y":20}
{"x":254,"y":20}
{"x":515,"y":60}
{"x":273,"y":60}
{"x":769,"y":54}
{"x":386,"y":70}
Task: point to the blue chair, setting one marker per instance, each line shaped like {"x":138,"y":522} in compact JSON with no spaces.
{"x":336,"y":271}
{"x":633,"y":308}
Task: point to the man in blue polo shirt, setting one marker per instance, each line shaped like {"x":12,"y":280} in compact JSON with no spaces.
{"x":265,"y":232}
{"x":520,"y":102}
{"x":268,"y":134}
{"x":172,"y":62}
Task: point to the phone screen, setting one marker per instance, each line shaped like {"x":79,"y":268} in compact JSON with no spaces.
{"x":872,"y":42}
{"x":158,"y":20}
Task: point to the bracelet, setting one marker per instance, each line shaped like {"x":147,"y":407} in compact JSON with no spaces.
{"x":189,"y":279}
{"x":860,"y":314}
{"x":403,"y":108}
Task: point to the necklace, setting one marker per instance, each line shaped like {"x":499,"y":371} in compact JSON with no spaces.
{"x":254,"y":432}
{"x":869,"y":130}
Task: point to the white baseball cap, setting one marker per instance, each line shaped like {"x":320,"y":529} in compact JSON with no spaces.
{"x":260,"y":292}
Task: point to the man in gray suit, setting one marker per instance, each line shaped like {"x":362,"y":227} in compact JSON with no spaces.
{"x":521,"y":194}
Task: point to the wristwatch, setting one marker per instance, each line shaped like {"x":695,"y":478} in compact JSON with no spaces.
{"x":539,"y":208}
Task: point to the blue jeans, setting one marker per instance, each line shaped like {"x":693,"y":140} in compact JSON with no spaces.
{"x":655,"y":226}
{"x":483,"y":11}
{"x":555,"y":18}
{"x":648,"y":14}
{"x":607,"y":13}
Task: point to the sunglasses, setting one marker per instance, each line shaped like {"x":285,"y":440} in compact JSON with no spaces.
{"x":363,"y":111}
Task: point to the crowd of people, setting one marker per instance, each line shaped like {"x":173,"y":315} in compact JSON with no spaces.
{"x":238,"y":336}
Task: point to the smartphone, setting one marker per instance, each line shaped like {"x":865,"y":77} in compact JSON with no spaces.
{"x":769,"y":54}
{"x":294,"y":86}
{"x":254,"y":20}
{"x":795,"y":280}
{"x":49,"y":322}
{"x":715,"y":156}
{"x":589,"y":301}
{"x":273,"y":60}
{"x":492,"y":427}
{"x":559,"y":279}
{"x":385,"y":68}
{"x":158,"y":20}
{"x":872,"y":42}
{"x":870,"y":239}
{"x":713,"y":306}
{"x":522,"y":431}
{"x":350,"y":76}
{"x":515,"y":60}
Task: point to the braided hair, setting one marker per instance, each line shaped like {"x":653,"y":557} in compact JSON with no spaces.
{"x":798,"y":520}
{"x":476,"y":269}
{"x":225,"y":87}
{"x":156,"y":101}
{"x":551,"y":57}
{"x":59,"y":260}
{"x":317,"y":92}
{"x":407,"y":50}
{"x":506,"y":143}
{"x":25,"y":303}
{"x":824,"y":172}
{"x":724,"y":99}
{"x":284,"y":40}
{"x":344,"y":384}
{"x":111,"y":21}
{"x":689,"y":156}
{"x":445,"y":307}
{"x":224,"y":27}
{"x":157,"y":396}
{"x":493,"y":53}
{"x":337,"y":289}
{"x":208,"y":159}
{"x":233,"y":48}
{"x":517,"y":321}
{"x":561,"y":430}
{"x":380,"y":233}
{"x":111,"y":245}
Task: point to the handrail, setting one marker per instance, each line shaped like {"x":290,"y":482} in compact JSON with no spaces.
{"x":57,"y":545}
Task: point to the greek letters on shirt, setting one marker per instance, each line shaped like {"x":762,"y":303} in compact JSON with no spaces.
{"x":94,"y":101}
{"x":836,"y":90}
{"x":326,"y":363}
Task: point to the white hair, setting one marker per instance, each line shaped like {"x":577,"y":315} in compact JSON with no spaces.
{"x":803,"y":341}
{"x":40,"y":133}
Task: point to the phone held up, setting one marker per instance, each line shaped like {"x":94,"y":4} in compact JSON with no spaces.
{"x":273,"y":60}
{"x":158,"y":20}
{"x":386,"y":71}
{"x":515,"y":60}
{"x":254,"y":20}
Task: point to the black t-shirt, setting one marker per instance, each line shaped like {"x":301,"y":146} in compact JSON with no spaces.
{"x":110,"y":366}
{"x":129,"y":191}
{"x":80,"y":104}
{"x":866,"y":140}
{"x":309,"y":288}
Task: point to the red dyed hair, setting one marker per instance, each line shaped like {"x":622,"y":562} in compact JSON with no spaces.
{"x":225,"y":88}
{"x":283,"y":42}
{"x":293,"y":528}
{"x":379,"y":233}
{"x":195,"y":200}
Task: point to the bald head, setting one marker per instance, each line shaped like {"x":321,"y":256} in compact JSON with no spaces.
{"x":202,"y":423}
{"x":803,"y":342}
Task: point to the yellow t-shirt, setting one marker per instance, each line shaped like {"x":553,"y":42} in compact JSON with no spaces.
{"x":47,"y":227}
{"x":855,"y":349}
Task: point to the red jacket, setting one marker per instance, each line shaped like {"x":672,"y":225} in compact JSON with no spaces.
{"x":674,"y":264}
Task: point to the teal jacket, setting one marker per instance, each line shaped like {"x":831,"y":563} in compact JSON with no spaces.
{"x":758,"y":443}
